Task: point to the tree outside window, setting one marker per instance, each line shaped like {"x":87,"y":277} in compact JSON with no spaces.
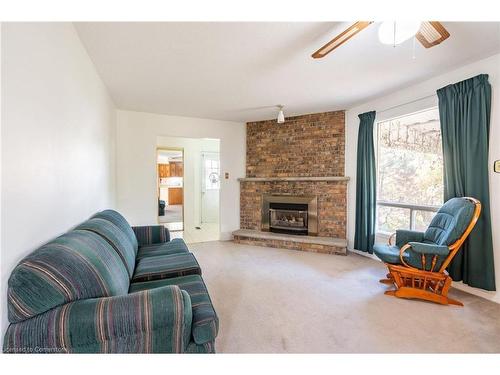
{"x":410,"y":171}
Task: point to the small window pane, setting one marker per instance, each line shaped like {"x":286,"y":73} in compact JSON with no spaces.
{"x":392,"y":218}
{"x":212,"y":174}
{"x":410,"y":159}
{"x":423,"y":219}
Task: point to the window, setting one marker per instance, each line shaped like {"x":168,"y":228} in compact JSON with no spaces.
{"x":410,"y":171}
{"x":212,"y":174}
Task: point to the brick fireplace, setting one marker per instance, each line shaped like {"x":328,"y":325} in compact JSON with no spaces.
{"x":297,"y":167}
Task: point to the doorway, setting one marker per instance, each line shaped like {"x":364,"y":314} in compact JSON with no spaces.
{"x":201,"y":184}
{"x":170,"y":180}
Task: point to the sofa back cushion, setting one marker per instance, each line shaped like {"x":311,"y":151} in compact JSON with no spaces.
{"x":116,"y":238}
{"x":450,"y":222}
{"x":117,"y":219}
{"x":77,"y":265}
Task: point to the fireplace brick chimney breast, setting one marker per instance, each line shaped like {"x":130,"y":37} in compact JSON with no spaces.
{"x":279,"y":158}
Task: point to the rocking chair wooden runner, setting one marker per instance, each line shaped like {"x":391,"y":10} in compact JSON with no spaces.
{"x":417,"y":262}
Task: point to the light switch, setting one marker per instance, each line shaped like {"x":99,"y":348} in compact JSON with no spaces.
{"x":226,"y":175}
{"x":496,"y":166}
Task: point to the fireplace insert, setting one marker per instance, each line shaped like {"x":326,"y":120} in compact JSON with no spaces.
{"x":290,"y":214}
{"x":291,"y":218}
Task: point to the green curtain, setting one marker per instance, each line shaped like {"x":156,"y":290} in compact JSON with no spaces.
{"x":364,"y":236}
{"x":464,"y":111}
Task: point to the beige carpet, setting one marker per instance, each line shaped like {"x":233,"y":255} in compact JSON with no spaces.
{"x":284,"y":301}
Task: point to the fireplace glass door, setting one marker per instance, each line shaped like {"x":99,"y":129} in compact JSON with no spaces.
{"x":288,"y":218}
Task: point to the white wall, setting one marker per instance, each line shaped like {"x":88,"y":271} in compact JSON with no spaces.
{"x":2,"y":278}
{"x":58,"y":126}
{"x":193,"y":147}
{"x":427,"y":90}
{"x":137,"y":135}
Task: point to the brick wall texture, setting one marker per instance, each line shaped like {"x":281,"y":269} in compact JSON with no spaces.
{"x":331,"y":195}
{"x":305,"y":146}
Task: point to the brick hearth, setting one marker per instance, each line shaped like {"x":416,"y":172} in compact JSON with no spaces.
{"x":302,"y":157}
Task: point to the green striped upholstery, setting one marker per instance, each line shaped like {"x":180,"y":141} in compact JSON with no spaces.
{"x":70,"y":295}
{"x":205,"y":320}
{"x":116,"y":238}
{"x":194,"y":348}
{"x":165,"y":266}
{"x":174,"y":246}
{"x":122,"y":223}
{"x":151,"y":234}
{"x":151,"y":321}
{"x":76,"y":265}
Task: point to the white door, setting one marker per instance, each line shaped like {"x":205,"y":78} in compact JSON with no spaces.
{"x":210,"y":186}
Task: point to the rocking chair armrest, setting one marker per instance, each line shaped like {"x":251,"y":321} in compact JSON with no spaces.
{"x":431,"y":249}
{"x":391,"y":238}
{"x":402,"y":257}
{"x":403,"y":236}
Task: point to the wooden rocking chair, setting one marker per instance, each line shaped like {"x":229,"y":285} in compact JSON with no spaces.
{"x":417,"y":262}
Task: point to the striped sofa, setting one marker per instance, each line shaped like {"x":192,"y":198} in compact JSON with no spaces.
{"x":107,"y":287}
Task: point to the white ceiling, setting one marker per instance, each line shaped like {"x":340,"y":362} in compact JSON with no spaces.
{"x":238,"y":71}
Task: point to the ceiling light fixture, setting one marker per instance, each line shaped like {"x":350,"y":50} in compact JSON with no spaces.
{"x":397,"y":32}
{"x":281,"y":115}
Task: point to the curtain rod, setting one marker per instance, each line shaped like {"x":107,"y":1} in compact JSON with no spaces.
{"x":401,"y":105}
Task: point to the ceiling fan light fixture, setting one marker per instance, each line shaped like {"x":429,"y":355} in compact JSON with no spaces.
{"x":281,"y":115}
{"x":394,"y":33}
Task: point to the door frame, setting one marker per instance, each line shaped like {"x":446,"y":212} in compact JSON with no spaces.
{"x":164,"y":148}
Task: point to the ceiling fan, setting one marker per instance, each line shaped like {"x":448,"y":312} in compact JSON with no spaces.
{"x":428,"y":33}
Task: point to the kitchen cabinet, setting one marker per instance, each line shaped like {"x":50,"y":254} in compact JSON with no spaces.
{"x":176,"y":169}
{"x":173,"y":169}
{"x":175,"y":195}
{"x":163,"y":170}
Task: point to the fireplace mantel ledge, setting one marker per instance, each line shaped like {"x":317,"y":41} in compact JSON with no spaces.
{"x":264,"y":179}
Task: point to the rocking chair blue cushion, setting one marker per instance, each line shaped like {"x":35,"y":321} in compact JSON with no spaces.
{"x":449,"y":223}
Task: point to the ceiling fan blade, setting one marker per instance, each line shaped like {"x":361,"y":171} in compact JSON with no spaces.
{"x":432,"y":33}
{"x":343,"y":37}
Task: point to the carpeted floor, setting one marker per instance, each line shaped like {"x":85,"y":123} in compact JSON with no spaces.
{"x":173,"y":214}
{"x":284,"y":301}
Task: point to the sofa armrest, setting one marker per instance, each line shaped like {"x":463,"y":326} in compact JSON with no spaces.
{"x":150,"y":321}
{"x":151,"y":234}
{"x":404,"y":236}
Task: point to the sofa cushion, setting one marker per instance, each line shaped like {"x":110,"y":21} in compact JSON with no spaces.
{"x":151,"y":321}
{"x":205,"y":321}
{"x":175,"y":246}
{"x":117,"y":219}
{"x":164,"y":266}
{"x":151,"y":234}
{"x":116,"y":238}
{"x":77,"y":265}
